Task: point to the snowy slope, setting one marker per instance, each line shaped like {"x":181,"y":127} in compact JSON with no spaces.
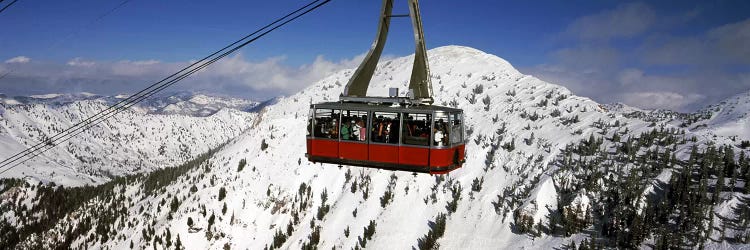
{"x":725,"y":122}
{"x":195,"y":104}
{"x":134,"y":141}
{"x":279,"y":192}
{"x":729,"y":118}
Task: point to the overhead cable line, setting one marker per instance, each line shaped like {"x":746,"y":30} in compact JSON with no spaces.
{"x":6,"y":6}
{"x":124,"y":104}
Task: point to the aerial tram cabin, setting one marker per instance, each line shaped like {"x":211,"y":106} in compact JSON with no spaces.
{"x":426,"y":139}
{"x":397,"y":133}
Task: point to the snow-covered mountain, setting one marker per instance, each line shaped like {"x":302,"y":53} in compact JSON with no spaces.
{"x":729,"y":118}
{"x":161,"y":132}
{"x":48,"y":98}
{"x":192,"y":104}
{"x":545,"y":168}
{"x":170,"y":103}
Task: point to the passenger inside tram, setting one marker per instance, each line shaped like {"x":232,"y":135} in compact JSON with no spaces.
{"x":346,"y":131}
{"x":351,"y":120}
{"x":440,"y":133}
{"x":416,"y":129}
{"x":393,"y":128}
{"x":355,"y":130}
{"x":362,"y":129}
{"x":333,"y":131}
{"x":321,"y":127}
{"x":438,"y":137}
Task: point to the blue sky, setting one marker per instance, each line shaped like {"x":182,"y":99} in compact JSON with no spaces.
{"x":686,"y":53}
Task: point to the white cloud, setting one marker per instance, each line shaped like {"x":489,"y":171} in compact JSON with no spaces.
{"x":272,"y":74}
{"x":733,"y":40}
{"x":652,"y":68}
{"x":667,"y":50}
{"x":695,"y":88}
{"x":80,"y":62}
{"x":626,"y":20}
{"x":233,"y":75}
{"x":726,"y":44}
{"x":18,"y":59}
{"x":135,"y":69}
{"x":661,"y":100}
{"x":586,"y":58}
{"x":146,"y":62}
{"x":629,"y":76}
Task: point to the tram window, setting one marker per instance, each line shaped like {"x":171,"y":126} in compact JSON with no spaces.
{"x":353,"y":125}
{"x":385,"y":127}
{"x":310,"y":122}
{"x":416,"y":129}
{"x":456,"y":128}
{"x":440,"y":130}
{"x":326,"y":123}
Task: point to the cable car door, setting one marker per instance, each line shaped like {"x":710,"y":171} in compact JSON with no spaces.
{"x":384,"y":137}
{"x":353,"y":136}
{"x":416,"y":133}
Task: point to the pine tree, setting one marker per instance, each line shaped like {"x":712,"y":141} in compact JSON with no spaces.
{"x":539,"y":229}
{"x":241,"y":165}
{"x":584,"y":245}
{"x":174,"y":205}
{"x":729,"y":164}
{"x":178,"y":243}
{"x":742,"y":164}
{"x":369,"y":231}
{"x":168,"y":238}
{"x":661,"y":240}
{"x":719,"y":188}
{"x":745,"y":168}
{"x":710,"y":225}
{"x":222,"y":193}
{"x":211,"y":220}
{"x":554,"y":220}
{"x":636,"y":230}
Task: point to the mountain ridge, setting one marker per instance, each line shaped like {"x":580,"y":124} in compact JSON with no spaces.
{"x":178,"y":102}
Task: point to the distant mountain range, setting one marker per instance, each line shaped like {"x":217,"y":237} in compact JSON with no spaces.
{"x":182,"y":103}
{"x":159,"y":132}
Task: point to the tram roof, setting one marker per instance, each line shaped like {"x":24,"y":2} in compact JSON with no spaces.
{"x":383,"y":107}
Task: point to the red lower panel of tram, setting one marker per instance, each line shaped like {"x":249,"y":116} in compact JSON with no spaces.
{"x":413,"y":156}
{"x":407,"y":158}
{"x":442,"y":157}
{"x":384,"y":153}
{"x":324,"y":148}
{"x":353,"y":151}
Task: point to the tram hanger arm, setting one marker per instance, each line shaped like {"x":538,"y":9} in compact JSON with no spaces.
{"x":420,"y":82}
